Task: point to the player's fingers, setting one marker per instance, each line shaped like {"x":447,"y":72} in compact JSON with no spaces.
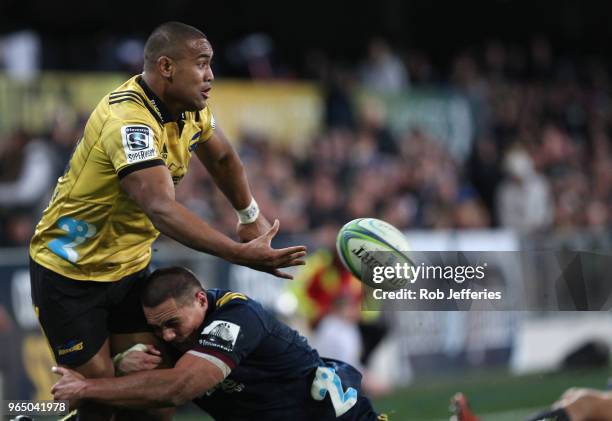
{"x":152,"y":350}
{"x":281,"y":259}
{"x":280,"y":274}
{"x":273,"y":230}
{"x":298,"y":255}
{"x":288,"y":260}
{"x":296,"y":262}
{"x":152,"y":359}
{"x":299,"y":251}
{"x":59,"y":370}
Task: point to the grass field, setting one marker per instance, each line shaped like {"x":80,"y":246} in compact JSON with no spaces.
{"x":494,"y":395}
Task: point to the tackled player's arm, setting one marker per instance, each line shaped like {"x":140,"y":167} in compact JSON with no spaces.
{"x":152,"y":189}
{"x":191,"y":377}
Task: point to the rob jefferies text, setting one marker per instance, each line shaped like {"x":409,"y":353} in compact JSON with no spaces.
{"x":430,"y":281}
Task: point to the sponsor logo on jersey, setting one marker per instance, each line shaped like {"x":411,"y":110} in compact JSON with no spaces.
{"x":138,"y":143}
{"x":67,"y":350}
{"x":70,"y":347}
{"x":220,"y":334}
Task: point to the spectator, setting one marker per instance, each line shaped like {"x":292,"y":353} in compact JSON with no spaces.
{"x":524,"y":200}
{"x":383,"y":70}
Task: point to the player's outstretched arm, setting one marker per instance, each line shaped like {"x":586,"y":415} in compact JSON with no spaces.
{"x":152,"y":189}
{"x":191,"y":377}
{"x":224,"y":165}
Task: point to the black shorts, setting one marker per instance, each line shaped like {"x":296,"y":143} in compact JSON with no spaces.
{"x":78,"y":316}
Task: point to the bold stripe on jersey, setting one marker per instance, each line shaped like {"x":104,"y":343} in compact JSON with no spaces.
{"x":125,"y":94}
{"x":228,"y":297}
{"x":139,"y":166}
{"x":216,"y":361}
{"x":117,"y":101}
{"x":144,"y":101}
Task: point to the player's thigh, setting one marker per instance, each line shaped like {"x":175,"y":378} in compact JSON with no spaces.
{"x":100,"y":365}
{"x":125,"y":314}
{"x":72,"y":317}
{"x":126,"y":320}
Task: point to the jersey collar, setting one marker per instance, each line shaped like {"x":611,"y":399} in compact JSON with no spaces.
{"x":212,"y":303}
{"x":159,"y":107}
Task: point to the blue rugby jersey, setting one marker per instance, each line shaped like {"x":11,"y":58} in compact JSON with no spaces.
{"x":275,"y":374}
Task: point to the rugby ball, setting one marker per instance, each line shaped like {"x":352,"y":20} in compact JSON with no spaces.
{"x":360,"y":241}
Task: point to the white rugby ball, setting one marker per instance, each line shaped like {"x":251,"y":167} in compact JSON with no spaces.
{"x":359,"y":241}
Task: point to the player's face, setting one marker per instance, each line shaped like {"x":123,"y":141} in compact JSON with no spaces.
{"x":193,"y":76}
{"x":176,"y":323}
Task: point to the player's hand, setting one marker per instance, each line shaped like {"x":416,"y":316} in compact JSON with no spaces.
{"x":69,"y":387}
{"x":249,"y":232}
{"x":134,"y":360}
{"x":583,"y":404}
{"x":258,"y":254}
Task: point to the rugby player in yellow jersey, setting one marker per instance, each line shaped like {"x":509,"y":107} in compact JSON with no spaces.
{"x":91,"y":249}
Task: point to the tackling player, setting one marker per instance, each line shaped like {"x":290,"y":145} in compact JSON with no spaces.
{"x":92,"y":247}
{"x":235,"y":360}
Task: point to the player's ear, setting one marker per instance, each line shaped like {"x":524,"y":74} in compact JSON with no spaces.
{"x":201,"y":298}
{"x":165,"y":66}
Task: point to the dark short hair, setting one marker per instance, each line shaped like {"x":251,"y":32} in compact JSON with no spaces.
{"x":171,"y":282}
{"x":168,"y":39}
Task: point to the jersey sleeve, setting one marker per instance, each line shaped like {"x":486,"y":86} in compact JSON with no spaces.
{"x":229,"y":336}
{"x":131,"y":145}
{"x":207,"y":124}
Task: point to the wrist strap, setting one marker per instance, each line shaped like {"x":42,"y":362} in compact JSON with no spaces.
{"x":117,"y":358}
{"x":249,"y":214}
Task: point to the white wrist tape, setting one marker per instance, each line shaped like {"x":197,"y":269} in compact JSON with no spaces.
{"x":249,"y":214}
{"x":117,"y":358}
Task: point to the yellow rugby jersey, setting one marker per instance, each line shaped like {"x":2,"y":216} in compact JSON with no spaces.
{"x":91,"y":229}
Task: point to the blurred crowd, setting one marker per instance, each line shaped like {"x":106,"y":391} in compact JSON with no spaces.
{"x":540,"y":157}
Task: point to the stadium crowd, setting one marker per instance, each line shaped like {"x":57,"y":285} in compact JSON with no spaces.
{"x":540,"y":157}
